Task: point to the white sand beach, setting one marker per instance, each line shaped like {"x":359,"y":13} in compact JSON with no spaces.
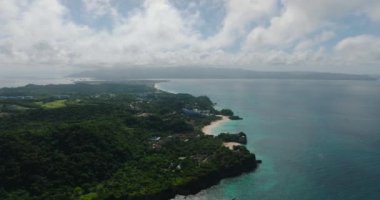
{"x":231,"y":145}
{"x":207,"y":130}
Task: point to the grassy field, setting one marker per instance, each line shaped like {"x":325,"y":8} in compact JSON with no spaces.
{"x":54,"y":104}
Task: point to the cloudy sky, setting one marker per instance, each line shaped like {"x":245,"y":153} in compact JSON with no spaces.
{"x":281,"y":35}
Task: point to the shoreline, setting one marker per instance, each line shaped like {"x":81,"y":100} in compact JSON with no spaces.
{"x":207,"y":161}
{"x":207,"y":130}
{"x":213,"y":179}
{"x":231,"y":145}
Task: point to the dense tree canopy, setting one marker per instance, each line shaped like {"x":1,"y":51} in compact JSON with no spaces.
{"x":107,"y":141}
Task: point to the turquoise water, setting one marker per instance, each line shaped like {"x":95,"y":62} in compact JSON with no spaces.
{"x":317,"y":139}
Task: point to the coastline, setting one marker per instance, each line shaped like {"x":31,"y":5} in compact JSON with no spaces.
{"x":155,"y":86}
{"x":231,"y":145}
{"x":207,"y":130}
{"x":247,"y":165}
{"x":214,"y":163}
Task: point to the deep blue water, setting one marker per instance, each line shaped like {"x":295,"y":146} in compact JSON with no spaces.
{"x":317,"y":139}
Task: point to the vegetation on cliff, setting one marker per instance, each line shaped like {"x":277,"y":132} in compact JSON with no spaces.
{"x":233,"y":137}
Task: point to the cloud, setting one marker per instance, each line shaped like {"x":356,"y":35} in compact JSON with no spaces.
{"x":239,"y":14}
{"x":98,"y":7}
{"x":255,"y":34}
{"x":311,"y":43}
{"x":39,"y":33}
{"x":362,"y":49}
{"x":373,"y":10}
{"x":298,"y":19}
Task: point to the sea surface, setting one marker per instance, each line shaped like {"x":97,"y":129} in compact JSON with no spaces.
{"x":319,"y":140}
{"x":22,"y":81}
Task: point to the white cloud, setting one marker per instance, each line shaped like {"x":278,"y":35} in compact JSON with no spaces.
{"x":98,"y":7}
{"x":363,"y":49}
{"x":373,"y":10}
{"x":101,"y":8}
{"x":154,"y":29}
{"x":309,"y":44}
{"x":239,"y":13}
{"x":270,"y":32}
{"x":298,"y":19}
{"x":283,"y":31}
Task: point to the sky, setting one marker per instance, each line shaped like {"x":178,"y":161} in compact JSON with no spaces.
{"x":62,"y":36}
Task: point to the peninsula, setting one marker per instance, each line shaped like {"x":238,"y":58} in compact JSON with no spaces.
{"x":103,"y":140}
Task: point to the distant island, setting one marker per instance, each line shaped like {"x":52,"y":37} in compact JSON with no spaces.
{"x":209,"y":73}
{"x":102,"y":140}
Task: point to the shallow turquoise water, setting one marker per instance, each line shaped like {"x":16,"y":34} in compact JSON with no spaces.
{"x":317,"y":139}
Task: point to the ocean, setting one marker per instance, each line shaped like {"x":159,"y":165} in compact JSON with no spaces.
{"x":317,"y":139}
{"x":22,"y":81}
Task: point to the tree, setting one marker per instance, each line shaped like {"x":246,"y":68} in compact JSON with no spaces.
{"x":226,"y":112}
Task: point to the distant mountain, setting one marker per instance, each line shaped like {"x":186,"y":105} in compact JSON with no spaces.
{"x":210,"y":73}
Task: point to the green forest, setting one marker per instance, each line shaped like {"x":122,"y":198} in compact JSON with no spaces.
{"x":94,"y":141}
